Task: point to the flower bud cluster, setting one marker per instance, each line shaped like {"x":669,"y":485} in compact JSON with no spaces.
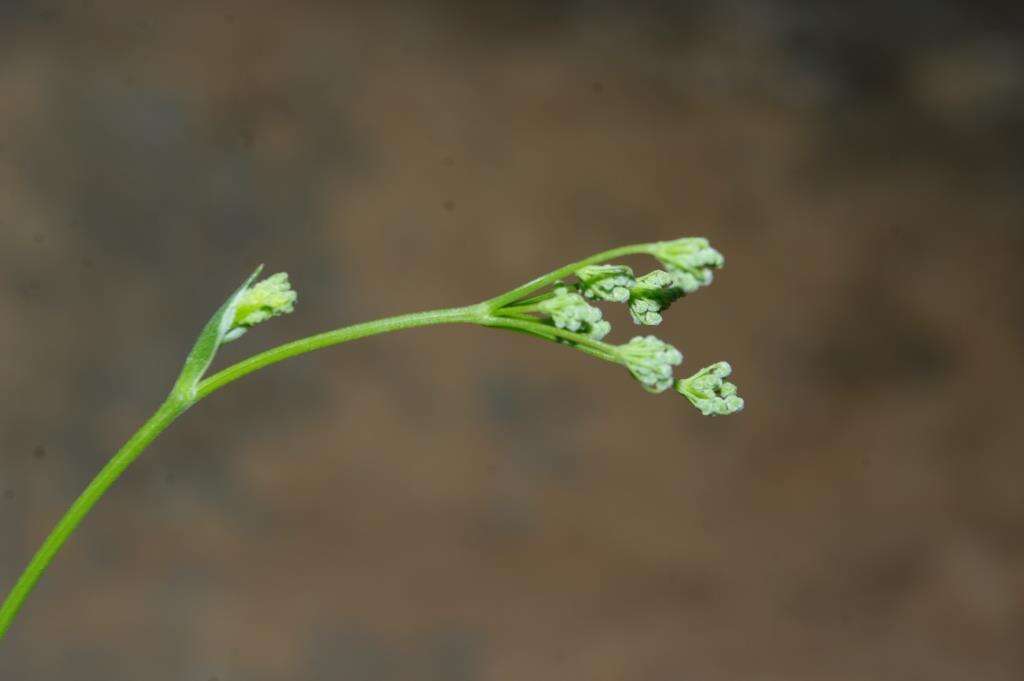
{"x":710,"y":392}
{"x":690,"y":260}
{"x":650,"y":360}
{"x":606,"y":282}
{"x":266,"y":299}
{"x":689,"y":264}
{"x":567,"y":310}
{"x":651,"y":295}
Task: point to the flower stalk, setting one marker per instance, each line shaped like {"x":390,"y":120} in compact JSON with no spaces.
{"x":546,"y":307}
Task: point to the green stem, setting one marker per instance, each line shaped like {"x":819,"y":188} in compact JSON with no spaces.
{"x":180,"y":400}
{"x":532,"y":300}
{"x":522,"y":310}
{"x":605,"y":351}
{"x":156,"y":424}
{"x":177,"y":405}
{"x":515,"y":294}
{"x":468,"y":315}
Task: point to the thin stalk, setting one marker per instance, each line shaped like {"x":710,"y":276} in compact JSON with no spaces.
{"x":532,"y":300}
{"x":519,"y":310}
{"x":183,"y":396}
{"x":164,"y":416}
{"x":597,"y":348}
{"x":177,"y":405}
{"x":515,"y":294}
{"x":471,"y":314}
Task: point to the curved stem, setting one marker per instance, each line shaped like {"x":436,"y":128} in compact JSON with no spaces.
{"x":173,"y":408}
{"x":597,"y":348}
{"x":532,"y":300}
{"x":131,"y":450}
{"x":234,"y":372}
{"x":515,"y":294}
{"x":180,"y":400}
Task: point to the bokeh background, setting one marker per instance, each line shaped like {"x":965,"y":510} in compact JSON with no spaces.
{"x":463,"y":504}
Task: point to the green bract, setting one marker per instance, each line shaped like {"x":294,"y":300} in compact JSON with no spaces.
{"x":710,"y":392}
{"x":248,"y":305}
{"x":606,"y":282}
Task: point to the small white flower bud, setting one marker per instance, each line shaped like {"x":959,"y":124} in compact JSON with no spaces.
{"x":269,"y":298}
{"x":710,"y":392}
{"x":650,"y":360}
{"x":570,"y":311}
{"x":606,"y":282}
{"x":652,"y":294}
{"x":690,"y":260}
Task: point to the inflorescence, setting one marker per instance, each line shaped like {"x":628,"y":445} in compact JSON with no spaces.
{"x":547,"y":307}
{"x":262,"y":301}
{"x":565,"y":314}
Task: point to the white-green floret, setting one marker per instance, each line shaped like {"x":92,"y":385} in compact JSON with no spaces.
{"x":710,"y":392}
{"x":571,"y":312}
{"x":651,"y":362}
{"x":606,"y":282}
{"x":652,"y":294}
{"x":266,"y":299}
{"x":690,"y":260}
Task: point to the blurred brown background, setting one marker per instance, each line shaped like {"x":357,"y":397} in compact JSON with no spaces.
{"x":462,"y":504}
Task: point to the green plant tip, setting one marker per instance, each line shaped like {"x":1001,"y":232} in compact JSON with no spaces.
{"x":266,"y":299}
